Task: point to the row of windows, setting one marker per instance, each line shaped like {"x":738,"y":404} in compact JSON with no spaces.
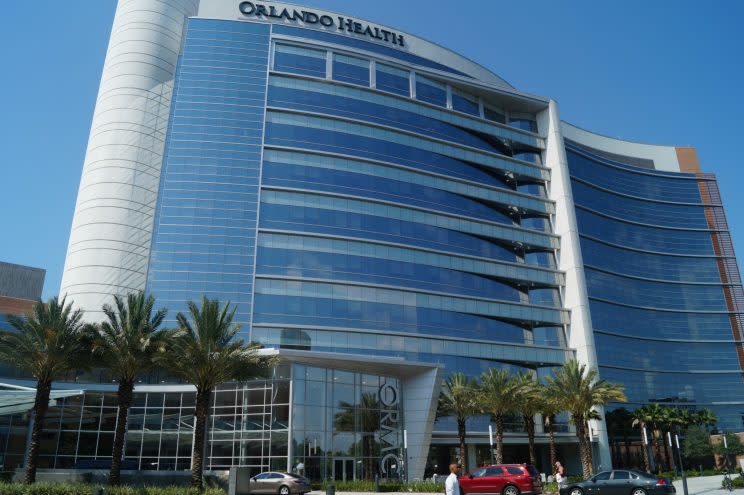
{"x":381,"y":151}
{"x":314,"y":34}
{"x":357,"y":185}
{"x":359,"y":71}
{"x":341,"y":292}
{"x":634,"y":292}
{"x":303,"y":201}
{"x":332,"y":99}
{"x":444,"y":123}
{"x":644,"y":238}
{"x":662,"y":214}
{"x":480,"y":191}
{"x":649,"y":265}
{"x":314,"y":265}
{"x":681,"y":388}
{"x":683,"y":188}
{"x":353,"y":133}
{"x":369,"y":227}
{"x":657,"y":355}
{"x":337,"y":313}
{"x":650,"y":323}
{"x":407,"y":255}
{"x":358,"y":342}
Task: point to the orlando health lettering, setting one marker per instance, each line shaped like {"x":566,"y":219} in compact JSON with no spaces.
{"x":307,"y":17}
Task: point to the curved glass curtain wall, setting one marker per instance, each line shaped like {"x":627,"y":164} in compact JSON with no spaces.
{"x":660,"y":318}
{"x":352,"y":204}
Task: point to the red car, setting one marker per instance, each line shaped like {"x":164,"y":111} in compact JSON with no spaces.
{"x":502,"y":479}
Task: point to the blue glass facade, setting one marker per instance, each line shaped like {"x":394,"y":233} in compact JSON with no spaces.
{"x":386,"y":213}
{"x":355,"y":204}
{"x":657,"y":286}
{"x":381,"y":211}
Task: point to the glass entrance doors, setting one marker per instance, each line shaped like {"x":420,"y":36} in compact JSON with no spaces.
{"x":343,"y":469}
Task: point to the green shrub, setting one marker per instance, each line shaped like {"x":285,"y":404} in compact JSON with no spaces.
{"x":693,"y":473}
{"x":88,"y":489}
{"x":551,"y":487}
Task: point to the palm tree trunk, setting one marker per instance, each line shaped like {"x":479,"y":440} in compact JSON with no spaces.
{"x":201,"y":414}
{"x":585,"y":448}
{"x":657,"y":452}
{"x":529,"y":426}
{"x":553,"y":452}
{"x":461,"y":436}
{"x":124,"y":397}
{"x":627,"y":460}
{"x":499,"y":419}
{"x":41,"y":404}
{"x":669,"y":458}
{"x":644,"y":451}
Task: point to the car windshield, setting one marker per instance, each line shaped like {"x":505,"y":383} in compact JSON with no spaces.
{"x":533,"y":470}
{"x":602,"y":476}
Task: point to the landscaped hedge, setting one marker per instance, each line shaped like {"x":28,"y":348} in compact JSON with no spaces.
{"x":88,"y":489}
{"x":388,"y":486}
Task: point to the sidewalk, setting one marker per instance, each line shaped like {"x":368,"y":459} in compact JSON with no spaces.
{"x":708,"y":485}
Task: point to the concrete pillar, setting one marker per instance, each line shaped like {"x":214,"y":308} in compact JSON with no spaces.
{"x":575,"y":297}
{"x":420,"y":396}
{"x":109,"y":245}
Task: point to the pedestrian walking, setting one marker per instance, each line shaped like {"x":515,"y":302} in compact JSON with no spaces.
{"x":452,"y":485}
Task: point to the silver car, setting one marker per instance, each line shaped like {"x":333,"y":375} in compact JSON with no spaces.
{"x":276,"y":483}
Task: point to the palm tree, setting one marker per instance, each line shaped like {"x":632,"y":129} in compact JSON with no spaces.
{"x":48,"y":342}
{"x":126,"y":344}
{"x":640,"y":419}
{"x":549,"y":408}
{"x":459,"y":399}
{"x":618,"y":423}
{"x":498,"y":392}
{"x":655,"y":415}
{"x":705,"y":418}
{"x":204,"y":352}
{"x":667,"y":418}
{"x":578,"y":391}
{"x":529,"y":403}
{"x":367,"y":414}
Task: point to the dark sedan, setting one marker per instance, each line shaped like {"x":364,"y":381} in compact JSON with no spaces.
{"x":620,"y":482}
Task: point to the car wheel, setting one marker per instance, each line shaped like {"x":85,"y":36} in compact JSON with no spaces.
{"x":638,"y":491}
{"x":576,"y":491}
{"x":284,"y":490}
{"x":510,"y":490}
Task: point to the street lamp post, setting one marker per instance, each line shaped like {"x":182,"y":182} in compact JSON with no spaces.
{"x":490,"y":443}
{"x":681,"y":467}
{"x":405,"y":456}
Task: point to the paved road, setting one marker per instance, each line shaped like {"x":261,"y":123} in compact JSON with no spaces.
{"x":707,"y":485}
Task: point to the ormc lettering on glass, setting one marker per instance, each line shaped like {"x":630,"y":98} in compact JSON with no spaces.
{"x":307,"y":17}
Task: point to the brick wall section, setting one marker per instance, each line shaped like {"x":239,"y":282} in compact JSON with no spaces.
{"x":15,"y":306}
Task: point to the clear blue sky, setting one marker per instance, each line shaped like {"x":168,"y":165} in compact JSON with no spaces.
{"x":659,"y":72}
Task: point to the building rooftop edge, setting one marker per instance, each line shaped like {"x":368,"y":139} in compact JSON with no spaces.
{"x":207,"y":8}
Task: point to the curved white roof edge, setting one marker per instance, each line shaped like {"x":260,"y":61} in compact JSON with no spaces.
{"x":228,"y":10}
{"x":663,"y":156}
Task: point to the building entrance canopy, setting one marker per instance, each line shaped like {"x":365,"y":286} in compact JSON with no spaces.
{"x":19,"y":400}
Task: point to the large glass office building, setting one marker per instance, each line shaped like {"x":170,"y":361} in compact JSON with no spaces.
{"x":384,"y":212}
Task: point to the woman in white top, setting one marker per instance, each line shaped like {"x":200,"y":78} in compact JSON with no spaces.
{"x":560,"y":474}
